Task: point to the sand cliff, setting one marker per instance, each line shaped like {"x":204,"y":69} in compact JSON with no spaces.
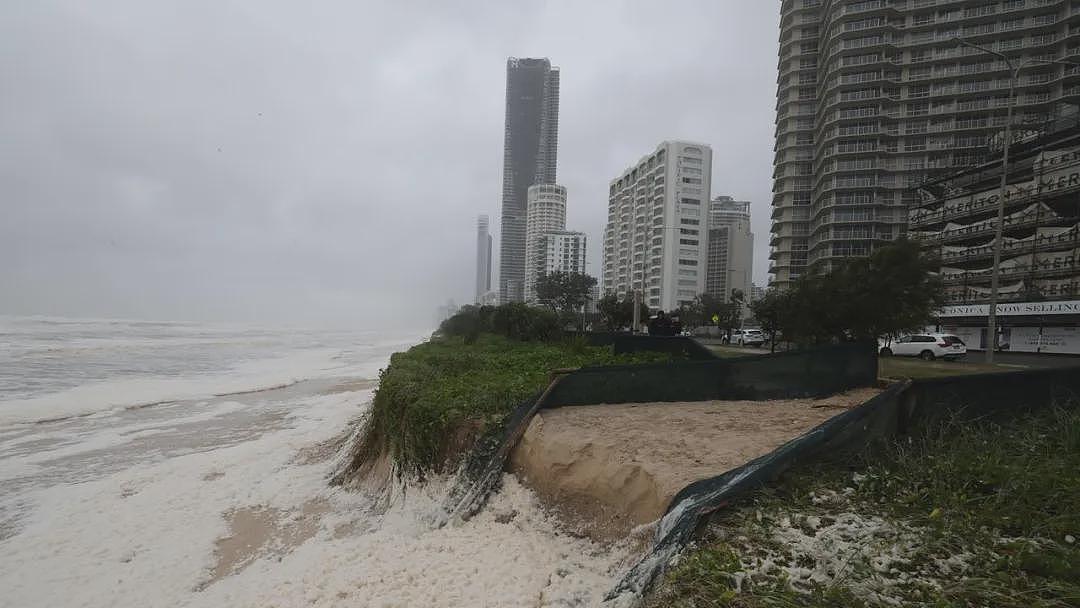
{"x":607,"y":469}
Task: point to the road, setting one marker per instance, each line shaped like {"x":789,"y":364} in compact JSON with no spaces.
{"x":973,"y":363}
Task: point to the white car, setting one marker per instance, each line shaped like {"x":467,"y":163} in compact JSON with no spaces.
{"x":926,"y":346}
{"x":748,"y":337}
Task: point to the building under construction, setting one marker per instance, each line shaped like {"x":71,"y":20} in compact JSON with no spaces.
{"x":1039,"y":274}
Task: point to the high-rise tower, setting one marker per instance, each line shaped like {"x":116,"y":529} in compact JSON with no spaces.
{"x":731,"y":249}
{"x":873,"y":96}
{"x":546,"y":213}
{"x":483,"y":258}
{"x":530,"y":147}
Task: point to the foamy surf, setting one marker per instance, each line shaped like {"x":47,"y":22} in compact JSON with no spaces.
{"x":224,"y":501}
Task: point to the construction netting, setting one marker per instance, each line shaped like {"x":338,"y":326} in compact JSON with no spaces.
{"x":794,"y":374}
{"x":903,"y":408}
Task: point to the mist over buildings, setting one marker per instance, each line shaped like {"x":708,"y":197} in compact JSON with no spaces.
{"x":280,"y":162}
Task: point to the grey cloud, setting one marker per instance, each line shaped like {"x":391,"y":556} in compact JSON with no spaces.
{"x":324,"y":162}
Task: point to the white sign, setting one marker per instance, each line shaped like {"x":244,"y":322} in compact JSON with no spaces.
{"x":1023,"y":339}
{"x":1068,"y":307}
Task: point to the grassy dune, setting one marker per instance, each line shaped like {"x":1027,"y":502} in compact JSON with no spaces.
{"x":436,"y":398}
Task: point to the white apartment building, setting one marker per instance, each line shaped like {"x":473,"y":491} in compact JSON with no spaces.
{"x":731,"y":249}
{"x":545,"y":213}
{"x":560,"y":251}
{"x":656,"y":238}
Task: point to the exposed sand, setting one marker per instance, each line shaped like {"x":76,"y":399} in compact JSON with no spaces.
{"x":263,"y":531}
{"x":609,"y":468}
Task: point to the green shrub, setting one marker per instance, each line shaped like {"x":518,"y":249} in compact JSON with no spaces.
{"x":516,"y":321}
{"x":522,"y":322}
{"x":435,"y":398}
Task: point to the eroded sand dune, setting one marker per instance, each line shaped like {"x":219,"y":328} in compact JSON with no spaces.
{"x":609,"y":468}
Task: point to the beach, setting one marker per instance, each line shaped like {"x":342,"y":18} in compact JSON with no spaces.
{"x":187,"y":465}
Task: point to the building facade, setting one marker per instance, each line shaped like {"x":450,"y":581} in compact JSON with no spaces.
{"x":731,"y":249}
{"x":561,"y":251}
{"x":1039,"y":274}
{"x":874,"y":96}
{"x":656,"y":237}
{"x":545,"y":213}
{"x":530,"y":155}
{"x":483,"y":259}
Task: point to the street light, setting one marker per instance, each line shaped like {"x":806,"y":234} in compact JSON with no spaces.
{"x":1014,"y":68}
{"x":639,"y":294}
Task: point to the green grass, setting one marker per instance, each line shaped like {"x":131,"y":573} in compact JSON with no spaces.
{"x":911,"y":367}
{"x":971,"y":515}
{"x":733,"y":352}
{"x":436,"y":398}
{"x":889,"y":367}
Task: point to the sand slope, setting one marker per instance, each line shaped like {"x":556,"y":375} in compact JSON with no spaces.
{"x":609,"y":468}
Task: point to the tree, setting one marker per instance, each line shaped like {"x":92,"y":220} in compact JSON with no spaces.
{"x":617,"y":314}
{"x":730,"y":313}
{"x":773,"y":312}
{"x":892,"y":291}
{"x":564,"y":292}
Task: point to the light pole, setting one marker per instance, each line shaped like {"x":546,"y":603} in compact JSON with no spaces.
{"x":639,"y":294}
{"x":1014,"y":74}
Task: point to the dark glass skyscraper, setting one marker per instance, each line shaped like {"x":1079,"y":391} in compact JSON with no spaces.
{"x":530,"y":145}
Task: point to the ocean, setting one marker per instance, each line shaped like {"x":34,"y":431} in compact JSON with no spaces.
{"x":184,"y":464}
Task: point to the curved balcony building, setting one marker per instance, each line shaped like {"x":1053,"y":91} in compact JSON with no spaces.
{"x":876,"y":96}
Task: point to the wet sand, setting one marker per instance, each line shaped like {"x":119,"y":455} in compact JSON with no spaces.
{"x":606,"y":469}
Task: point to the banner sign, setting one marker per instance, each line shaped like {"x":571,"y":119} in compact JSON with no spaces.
{"x":1066,"y":307}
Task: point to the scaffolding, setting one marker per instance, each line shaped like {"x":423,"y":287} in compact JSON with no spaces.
{"x":955,"y":219}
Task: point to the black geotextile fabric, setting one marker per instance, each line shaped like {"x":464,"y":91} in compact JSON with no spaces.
{"x":679,"y":346}
{"x":788,"y":375}
{"x":809,"y":373}
{"x":483,"y":467}
{"x":901,"y":409}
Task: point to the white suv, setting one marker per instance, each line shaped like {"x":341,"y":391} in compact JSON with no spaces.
{"x":748,"y":337}
{"x":926,"y":346}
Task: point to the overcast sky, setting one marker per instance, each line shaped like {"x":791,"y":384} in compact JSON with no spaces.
{"x":325,"y":161}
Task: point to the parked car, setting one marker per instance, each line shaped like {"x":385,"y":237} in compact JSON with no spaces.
{"x":926,"y":346}
{"x":747,"y":337}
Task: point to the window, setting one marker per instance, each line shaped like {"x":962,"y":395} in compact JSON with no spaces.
{"x":688,"y":242}
{"x":691,"y":180}
{"x":689,"y":201}
{"x":688,"y":262}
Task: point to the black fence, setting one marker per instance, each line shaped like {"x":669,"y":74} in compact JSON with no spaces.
{"x":903,"y":408}
{"x":678,"y":346}
{"x":808,"y":373}
{"x":787,"y":375}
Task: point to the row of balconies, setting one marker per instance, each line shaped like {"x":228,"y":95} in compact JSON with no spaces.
{"x":1041,"y":79}
{"x":976,"y":24}
{"x":1065,"y":268}
{"x":1034,"y":243}
{"x":1054,"y":291}
{"x":1017,"y":222}
{"x":922,"y":217}
{"x":906,"y":41}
